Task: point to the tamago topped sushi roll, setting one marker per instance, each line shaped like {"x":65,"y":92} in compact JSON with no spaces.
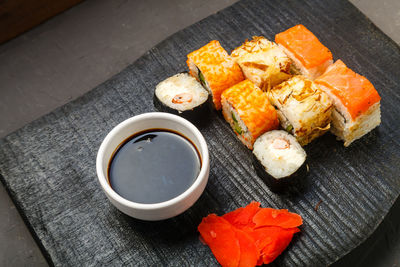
{"x":263,"y":62}
{"x":304,"y":110}
{"x":215,"y":69}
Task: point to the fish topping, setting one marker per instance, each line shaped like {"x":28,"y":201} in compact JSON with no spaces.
{"x":304,"y":45}
{"x":182,"y":98}
{"x":355,"y":91}
{"x":280,"y":143}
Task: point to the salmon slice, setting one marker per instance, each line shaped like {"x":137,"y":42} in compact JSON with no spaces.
{"x":354,"y":91}
{"x":215,"y":69}
{"x":356,"y":101}
{"x":310,"y":56}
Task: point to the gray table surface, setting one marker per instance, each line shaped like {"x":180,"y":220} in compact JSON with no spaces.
{"x":77,"y":50}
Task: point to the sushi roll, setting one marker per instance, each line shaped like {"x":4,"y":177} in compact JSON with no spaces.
{"x":215,"y":69}
{"x":182,"y":95}
{"x":310,"y":57}
{"x":303,"y":109}
{"x":279,"y":160}
{"x":263,"y":62}
{"x":247,"y":109}
{"x":356,"y":102}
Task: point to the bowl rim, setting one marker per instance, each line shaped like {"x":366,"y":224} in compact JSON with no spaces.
{"x":204,"y":154}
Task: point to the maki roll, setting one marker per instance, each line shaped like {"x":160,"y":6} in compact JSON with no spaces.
{"x":356,"y":101}
{"x":309,"y":55}
{"x":279,"y":160}
{"x":263,"y":62}
{"x":303,"y":109}
{"x":247,"y":109}
{"x":182,"y":95}
{"x":215,"y":69}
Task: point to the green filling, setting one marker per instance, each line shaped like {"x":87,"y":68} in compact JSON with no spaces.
{"x":233,"y":117}
{"x":289,"y":128}
{"x":236,"y":126}
{"x":202,"y":79}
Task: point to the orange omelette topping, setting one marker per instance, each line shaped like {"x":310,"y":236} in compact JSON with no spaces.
{"x":304,"y":45}
{"x":253,"y":107}
{"x":355,"y":91}
{"x":218,"y":68}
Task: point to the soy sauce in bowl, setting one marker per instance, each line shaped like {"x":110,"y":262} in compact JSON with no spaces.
{"x":153,"y":166}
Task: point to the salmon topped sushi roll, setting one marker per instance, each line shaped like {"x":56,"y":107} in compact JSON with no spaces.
{"x":310,"y":57}
{"x":357,"y":103}
{"x":304,"y":110}
{"x":215,"y":69}
{"x":247,"y":109}
{"x":263,"y":62}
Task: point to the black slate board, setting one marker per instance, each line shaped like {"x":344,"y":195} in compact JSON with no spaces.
{"x":48,"y":166}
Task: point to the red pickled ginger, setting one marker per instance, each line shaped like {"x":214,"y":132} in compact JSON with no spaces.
{"x":249,"y":236}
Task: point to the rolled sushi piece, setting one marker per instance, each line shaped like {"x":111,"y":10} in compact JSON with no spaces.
{"x":182,"y":95}
{"x":263,"y":62}
{"x":247,"y":109}
{"x":279,"y":160}
{"x":356,"y":102}
{"x":304,"y":110}
{"x":215,"y":69}
{"x":310,"y":57}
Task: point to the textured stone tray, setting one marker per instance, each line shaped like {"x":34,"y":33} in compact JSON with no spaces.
{"x":48,"y":166}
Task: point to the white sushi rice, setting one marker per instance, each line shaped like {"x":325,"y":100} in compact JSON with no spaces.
{"x":182,"y":83}
{"x":279,"y":162}
{"x":228,"y":110}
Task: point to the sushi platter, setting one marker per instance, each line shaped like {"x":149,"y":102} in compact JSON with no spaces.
{"x":346,"y":156}
{"x":259,"y":86}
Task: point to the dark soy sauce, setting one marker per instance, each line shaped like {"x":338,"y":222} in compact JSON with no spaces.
{"x":153,"y":166}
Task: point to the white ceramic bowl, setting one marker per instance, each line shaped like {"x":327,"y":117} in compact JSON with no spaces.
{"x":154,"y":120}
